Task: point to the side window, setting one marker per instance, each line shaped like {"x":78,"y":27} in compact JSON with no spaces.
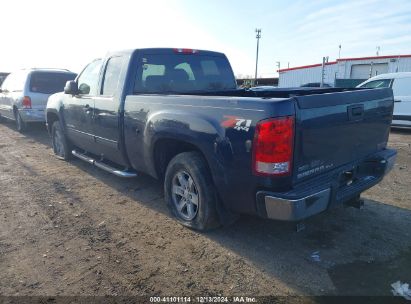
{"x":5,"y":84}
{"x":402,"y":87}
{"x":88,"y":80}
{"x":382,"y":83}
{"x":15,"y":82}
{"x":112,"y":75}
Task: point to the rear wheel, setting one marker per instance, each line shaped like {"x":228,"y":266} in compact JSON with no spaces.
{"x":20,"y":124}
{"x":189,"y":192}
{"x":61,"y":146}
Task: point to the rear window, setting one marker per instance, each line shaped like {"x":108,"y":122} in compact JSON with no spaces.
{"x":183,"y":73}
{"x":49,"y":82}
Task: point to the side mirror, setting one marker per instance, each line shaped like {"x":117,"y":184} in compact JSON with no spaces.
{"x":71,"y":88}
{"x":84,"y":89}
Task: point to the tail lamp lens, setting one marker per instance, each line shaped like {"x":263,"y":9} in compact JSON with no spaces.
{"x":273,"y":146}
{"x":26,"y":102}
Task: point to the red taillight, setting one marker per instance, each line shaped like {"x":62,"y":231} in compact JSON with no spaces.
{"x":273,"y":146}
{"x":26,"y":102}
{"x":186,"y":51}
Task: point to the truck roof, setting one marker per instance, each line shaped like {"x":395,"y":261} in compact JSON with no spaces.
{"x":166,"y":51}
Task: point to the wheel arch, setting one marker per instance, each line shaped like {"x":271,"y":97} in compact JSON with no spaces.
{"x":51,"y":117}
{"x":166,"y":148}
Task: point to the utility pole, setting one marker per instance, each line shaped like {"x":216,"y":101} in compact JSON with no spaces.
{"x":325,"y":60}
{"x":258,"y":36}
{"x":278,"y":65}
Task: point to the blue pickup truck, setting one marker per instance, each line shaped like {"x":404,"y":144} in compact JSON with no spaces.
{"x":177,"y":115}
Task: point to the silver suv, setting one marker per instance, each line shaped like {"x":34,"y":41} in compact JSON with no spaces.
{"x":24,"y":94}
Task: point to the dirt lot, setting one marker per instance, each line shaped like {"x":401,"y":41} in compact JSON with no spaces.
{"x":69,"y":228}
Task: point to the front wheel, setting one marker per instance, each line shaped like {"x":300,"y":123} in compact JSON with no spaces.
{"x":61,"y":146}
{"x":189,"y":192}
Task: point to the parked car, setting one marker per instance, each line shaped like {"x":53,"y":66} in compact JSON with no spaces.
{"x":177,"y":115}
{"x":24,"y":94}
{"x":3,"y":76}
{"x":401,"y":86}
{"x":315,"y":85}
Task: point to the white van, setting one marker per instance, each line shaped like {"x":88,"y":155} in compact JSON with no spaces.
{"x":401,"y":86}
{"x":24,"y":94}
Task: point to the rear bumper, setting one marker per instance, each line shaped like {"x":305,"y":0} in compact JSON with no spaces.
{"x":401,"y":117}
{"x":32,"y":115}
{"x":295,"y":209}
{"x":299,"y":204}
{"x":401,"y":120}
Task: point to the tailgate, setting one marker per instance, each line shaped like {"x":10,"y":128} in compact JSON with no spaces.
{"x":335,"y":129}
{"x":39,"y":100}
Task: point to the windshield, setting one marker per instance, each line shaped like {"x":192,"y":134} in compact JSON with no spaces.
{"x":183,"y":73}
{"x":49,"y":82}
{"x":382,"y":83}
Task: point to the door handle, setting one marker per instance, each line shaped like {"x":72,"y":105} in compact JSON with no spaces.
{"x":397,"y":100}
{"x":355,"y":112}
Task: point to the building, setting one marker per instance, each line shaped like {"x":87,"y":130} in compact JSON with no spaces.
{"x":346,"y":68}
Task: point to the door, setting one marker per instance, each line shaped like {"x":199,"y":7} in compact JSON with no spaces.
{"x":365,"y":71}
{"x":402,"y":97}
{"x":106,"y":122}
{"x":78,"y":109}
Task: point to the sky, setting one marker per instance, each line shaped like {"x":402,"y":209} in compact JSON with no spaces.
{"x":70,"y":34}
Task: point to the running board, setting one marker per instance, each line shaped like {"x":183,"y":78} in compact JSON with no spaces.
{"x":92,"y":161}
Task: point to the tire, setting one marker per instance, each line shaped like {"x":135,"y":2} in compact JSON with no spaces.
{"x":21,"y":126}
{"x":61,"y":146}
{"x":189,"y":192}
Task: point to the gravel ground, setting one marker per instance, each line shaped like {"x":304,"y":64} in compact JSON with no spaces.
{"x":71,"y":229}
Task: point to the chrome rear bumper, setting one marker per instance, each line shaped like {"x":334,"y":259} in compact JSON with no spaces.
{"x":313,"y":198}
{"x":292,"y":210}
